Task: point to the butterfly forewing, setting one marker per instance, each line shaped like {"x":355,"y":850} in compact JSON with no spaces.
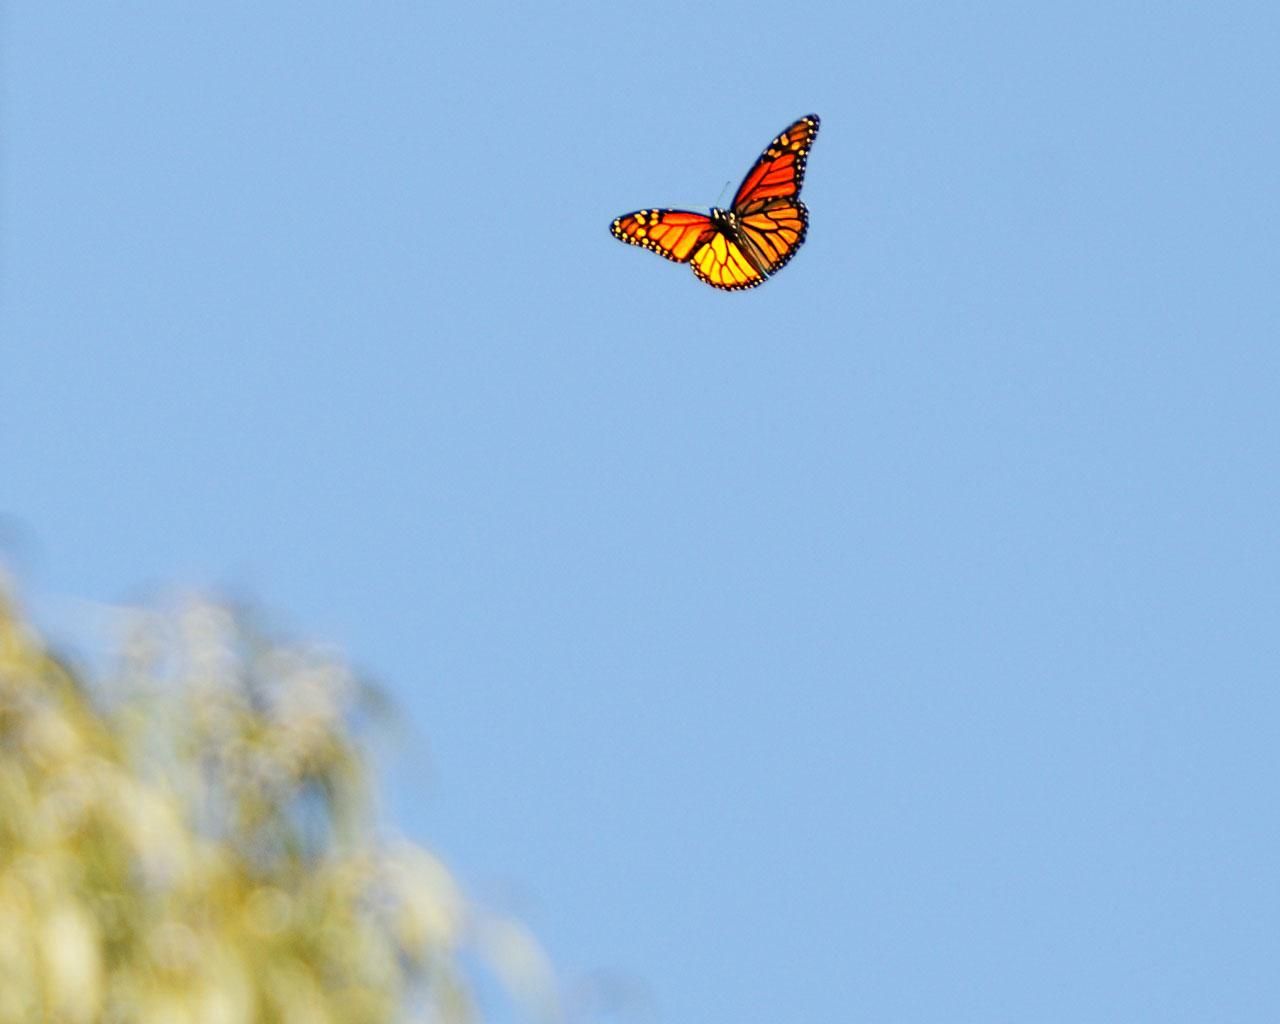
{"x":779,"y":172}
{"x":674,"y":234}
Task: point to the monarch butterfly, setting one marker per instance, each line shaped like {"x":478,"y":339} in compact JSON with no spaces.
{"x":762,"y":229}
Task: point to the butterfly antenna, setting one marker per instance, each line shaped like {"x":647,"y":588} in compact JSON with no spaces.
{"x":720,"y":197}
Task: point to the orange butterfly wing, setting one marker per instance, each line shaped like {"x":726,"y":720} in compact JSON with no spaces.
{"x":722,"y":263}
{"x":683,"y":237}
{"x":779,"y":172}
{"x":674,"y":234}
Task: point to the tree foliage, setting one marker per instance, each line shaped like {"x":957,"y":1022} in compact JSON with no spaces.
{"x":187,"y":837}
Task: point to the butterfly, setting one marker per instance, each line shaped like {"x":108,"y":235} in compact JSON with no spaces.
{"x":742,"y":246}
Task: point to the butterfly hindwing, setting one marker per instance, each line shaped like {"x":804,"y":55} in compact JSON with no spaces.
{"x":674,"y":234}
{"x":774,"y":232}
{"x":779,"y":172}
{"x":721,"y":263}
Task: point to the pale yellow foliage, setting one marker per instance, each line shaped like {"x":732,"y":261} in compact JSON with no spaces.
{"x":189,"y":839}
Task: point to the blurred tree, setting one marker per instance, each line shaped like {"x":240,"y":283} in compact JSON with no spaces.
{"x":187,"y":837}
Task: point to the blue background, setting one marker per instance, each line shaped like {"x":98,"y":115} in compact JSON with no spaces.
{"x":895,"y":642}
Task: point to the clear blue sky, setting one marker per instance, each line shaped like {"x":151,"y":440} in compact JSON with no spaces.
{"x":896,"y":642}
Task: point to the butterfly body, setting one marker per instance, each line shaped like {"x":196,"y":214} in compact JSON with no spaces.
{"x":742,"y":246}
{"x":724,"y":220}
